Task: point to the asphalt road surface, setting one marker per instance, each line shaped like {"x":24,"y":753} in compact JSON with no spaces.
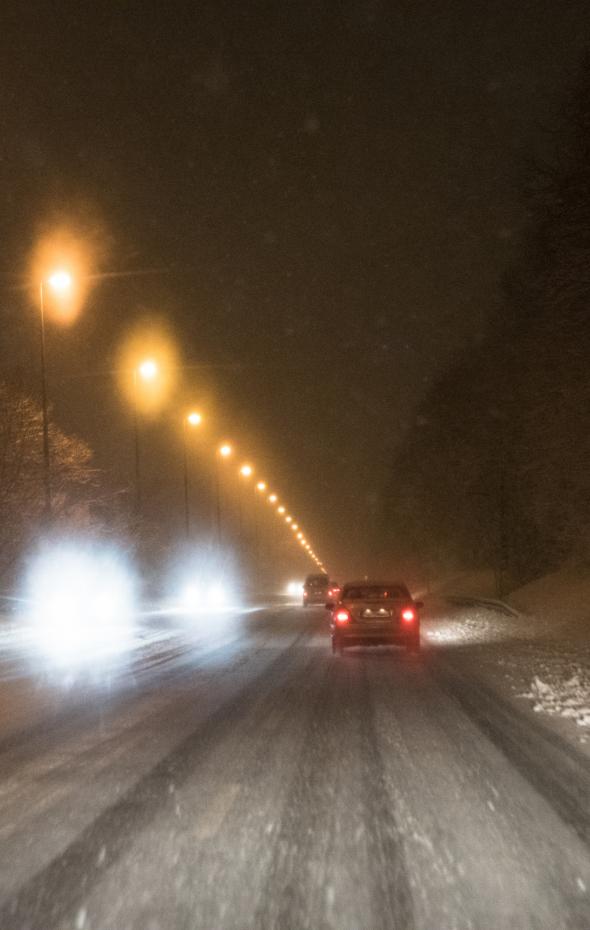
{"x":264,"y":783}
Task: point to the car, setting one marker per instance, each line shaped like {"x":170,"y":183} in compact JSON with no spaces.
{"x":315,"y":589}
{"x":334,"y":591}
{"x":375,"y":613}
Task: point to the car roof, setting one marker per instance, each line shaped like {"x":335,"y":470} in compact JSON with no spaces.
{"x":374,"y":584}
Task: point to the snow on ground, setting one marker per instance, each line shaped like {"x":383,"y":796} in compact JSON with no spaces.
{"x":570,"y":698}
{"x":451,"y":625}
{"x":559,"y":606}
{"x":541,"y":658}
{"x":35,"y":686}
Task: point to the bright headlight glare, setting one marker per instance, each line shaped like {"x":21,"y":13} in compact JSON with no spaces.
{"x":294,"y":588}
{"x":216,"y":596}
{"x":204,"y":597}
{"x":81,"y":605}
{"x":191,"y":597}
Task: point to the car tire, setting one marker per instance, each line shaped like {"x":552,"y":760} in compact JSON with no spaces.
{"x":413,"y":644}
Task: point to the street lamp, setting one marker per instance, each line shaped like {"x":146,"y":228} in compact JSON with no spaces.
{"x":146,"y":371}
{"x":193,"y":420}
{"x":246,"y":471}
{"x":261,"y":487}
{"x":60,"y":282}
{"x":225,"y":451}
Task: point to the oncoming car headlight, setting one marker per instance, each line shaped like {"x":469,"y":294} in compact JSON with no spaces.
{"x":294,"y":589}
{"x":201,"y":597}
{"x":80,"y":604}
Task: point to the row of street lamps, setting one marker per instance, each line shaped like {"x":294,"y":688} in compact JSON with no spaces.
{"x":60,"y":283}
{"x":223,"y":452}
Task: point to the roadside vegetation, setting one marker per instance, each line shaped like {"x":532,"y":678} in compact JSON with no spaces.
{"x":495,"y":472}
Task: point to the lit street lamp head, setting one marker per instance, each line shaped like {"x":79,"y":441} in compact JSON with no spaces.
{"x":194,"y":418}
{"x":148,"y":369}
{"x":225,"y":450}
{"x":60,"y":281}
{"x":261,"y":486}
{"x":272,"y":499}
{"x":246,"y":471}
{"x":281,"y":509}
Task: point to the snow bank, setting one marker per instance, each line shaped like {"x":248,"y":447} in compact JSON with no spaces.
{"x":543,"y":655}
{"x":561,"y":599}
{"x":570,"y":698}
{"x":465,"y":625}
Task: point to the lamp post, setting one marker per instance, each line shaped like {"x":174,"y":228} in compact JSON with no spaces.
{"x":60,"y":283}
{"x":224,"y":452}
{"x":147,"y":371}
{"x":193,"y":419}
{"x":262,"y":488}
{"x":245,"y":472}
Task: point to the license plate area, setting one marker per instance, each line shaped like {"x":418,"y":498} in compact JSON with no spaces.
{"x":376,"y":613}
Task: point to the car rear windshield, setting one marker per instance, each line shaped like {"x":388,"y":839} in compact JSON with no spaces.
{"x":317,"y":581}
{"x":375,"y":592}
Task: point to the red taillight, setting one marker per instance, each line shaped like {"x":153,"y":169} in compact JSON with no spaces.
{"x":408,"y":614}
{"x":342,"y":616}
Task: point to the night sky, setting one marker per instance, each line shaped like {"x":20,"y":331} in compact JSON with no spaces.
{"x":331,"y":192}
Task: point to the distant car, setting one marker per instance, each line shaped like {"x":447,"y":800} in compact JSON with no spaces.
{"x":370,"y":613}
{"x":334,"y":591}
{"x":315,"y":590}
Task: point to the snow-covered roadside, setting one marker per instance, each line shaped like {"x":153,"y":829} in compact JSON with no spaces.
{"x":539,"y":659}
{"x":559,"y":609}
{"x":569,"y":698}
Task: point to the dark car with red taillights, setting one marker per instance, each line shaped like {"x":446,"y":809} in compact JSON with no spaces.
{"x":315,"y":590}
{"x":369,"y":613}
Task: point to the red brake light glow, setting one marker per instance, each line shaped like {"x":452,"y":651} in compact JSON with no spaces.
{"x":342,"y":616}
{"x":408,"y":614}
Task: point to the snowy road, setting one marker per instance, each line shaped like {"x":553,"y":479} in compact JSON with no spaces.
{"x":262,"y":783}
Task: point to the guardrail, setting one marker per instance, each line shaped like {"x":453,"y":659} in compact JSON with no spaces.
{"x":489,"y":603}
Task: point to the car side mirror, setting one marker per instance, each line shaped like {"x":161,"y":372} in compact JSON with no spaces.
{"x":419,"y":604}
{"x":330,"y":605}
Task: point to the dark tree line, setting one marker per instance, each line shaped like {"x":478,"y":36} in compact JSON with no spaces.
{"x":495,"y":473}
